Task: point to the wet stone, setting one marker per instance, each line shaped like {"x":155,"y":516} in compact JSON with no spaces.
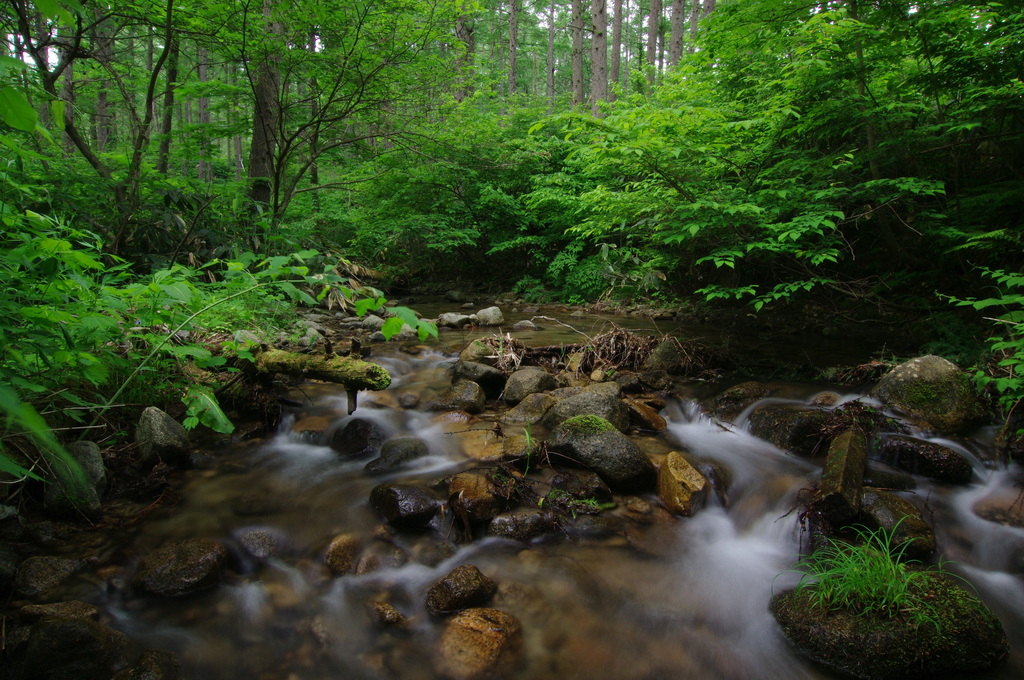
{"x":521,"y":525}
{"x":359,"y":438}
{"x":489,"y":378}
{"x":681,"y":488}
{"x":181,"y":568}
{"x":154,"y":664}
{"x":385,"y":614}
{"x":481,"y":643}
{"x":463,"y":395}
{"x":531,"y":409}
{"x":526,"y":381}
{"x":72,"y":609}
{"x":403,"y":506}
{"x":342,"y":554}
{"x":396,"y":454}
{"x":40,"y":576}
{"x":466,"y":586}
{"x":927,"y":459}
{"x":260,"y":543}
{"x":71,"y":649}
{"x":881,"y":509}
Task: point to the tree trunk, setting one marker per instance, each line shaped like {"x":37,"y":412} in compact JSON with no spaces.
{"x":653,"y":29}
{"x":464,"y":32}
{"x":551,"y":56}
{"x":513,"y":45}
{"x":204,"y":168}
{"x":675,"y":50}
{"x":104,"y":54}
{"x":314,"y":135}
{"x":599,"y":56}
{"x":694,"y":18}
{"x":167,"y":121}
{"x":576,"y":28}
{"x":265,"y":118}
{"x":616,"y":43}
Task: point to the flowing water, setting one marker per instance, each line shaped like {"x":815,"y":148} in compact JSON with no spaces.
{"x":659,"y":597}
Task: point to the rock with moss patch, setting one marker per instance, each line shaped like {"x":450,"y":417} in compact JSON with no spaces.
{"x":488,"y":377}
{"x":531,"y":409}
{"x":965,"y":637}
{"x":597,"y":400}
{"x":463,"y":395}
{"x":934,"y":391}
{"x":592,"y":442}
{"x":927,"y":459}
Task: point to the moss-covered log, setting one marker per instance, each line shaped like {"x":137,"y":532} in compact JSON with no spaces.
{"x":354,"y":374}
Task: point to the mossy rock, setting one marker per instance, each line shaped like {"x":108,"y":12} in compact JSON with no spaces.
{"x":581,"y":425}
{"x":933,"y":391}
{"x":966,"y":636}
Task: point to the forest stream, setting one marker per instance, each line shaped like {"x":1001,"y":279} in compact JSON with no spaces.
{"x":631,"y":592}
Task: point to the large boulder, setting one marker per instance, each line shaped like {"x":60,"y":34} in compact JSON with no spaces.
{"x":927,"y":459}
{"x":481,"y":643}
{"x":964,"y":639}
{"x":463,"y":395}
{"x":182,"y":568}
{"x":487,"y":377}
{"x":160,"y":438}
{"x":70,"y":649}
{"x":597,"y":400}
{"x":489,"y":316}
{"x":795,"y":429}
{"x":464,"y":587}
{"x":404,"y":506}
{"x":594,"y":443}
{"x":667,"y":357}
{"x":453,"y":320}
{"x":933,"y":391}
{"x":526,"y":381}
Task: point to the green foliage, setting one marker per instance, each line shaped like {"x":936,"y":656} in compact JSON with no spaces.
{"x":870,"y":578}
{"x":1006,"y":377}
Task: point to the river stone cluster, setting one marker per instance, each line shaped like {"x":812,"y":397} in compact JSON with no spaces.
{"x":604,"y":487}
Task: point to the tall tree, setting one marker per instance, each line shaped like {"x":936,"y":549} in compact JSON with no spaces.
{"x":653,"y":32}
{"x":677,"y":28}
{"x":551,"y":54}
{"x":513,"y":45}
{"x":599,"y":55}
{"x":616,"y":42}
{"x":167,"y":115}
{"x":465,"y":29}
{"x":576,"y":29}
{"x":265,"y":87}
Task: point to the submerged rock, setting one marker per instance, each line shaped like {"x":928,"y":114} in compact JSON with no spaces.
{"x":181,"y":568}
{"x":927,"y":459}
{"x":965,"y":637}
{"x":404,"y":506}
{"x":732,"y":402}
{"x":359,"y":438}
{"x":466,"y":586}
{"x":474,"y":497}
{"x":934,"y":391}
{"x":396,"y":453}
{"x":342,"y":554}
{"x":481,"y":643}
{"x":594,"y":443}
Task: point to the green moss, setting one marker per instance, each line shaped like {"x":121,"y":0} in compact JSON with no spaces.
{"x":960,"y":634}
{"x":586,"y":424}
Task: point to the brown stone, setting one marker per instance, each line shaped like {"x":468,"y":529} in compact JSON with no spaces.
{"x":481,"y":643}
{"x":343,"y":554}
{"x":644,"y":417}
{"x":681,"y":488}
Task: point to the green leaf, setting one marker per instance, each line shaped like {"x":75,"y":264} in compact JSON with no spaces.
{"x":16,"y":111}
{"x":392,"y":327}
{"x":202,"y":405}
